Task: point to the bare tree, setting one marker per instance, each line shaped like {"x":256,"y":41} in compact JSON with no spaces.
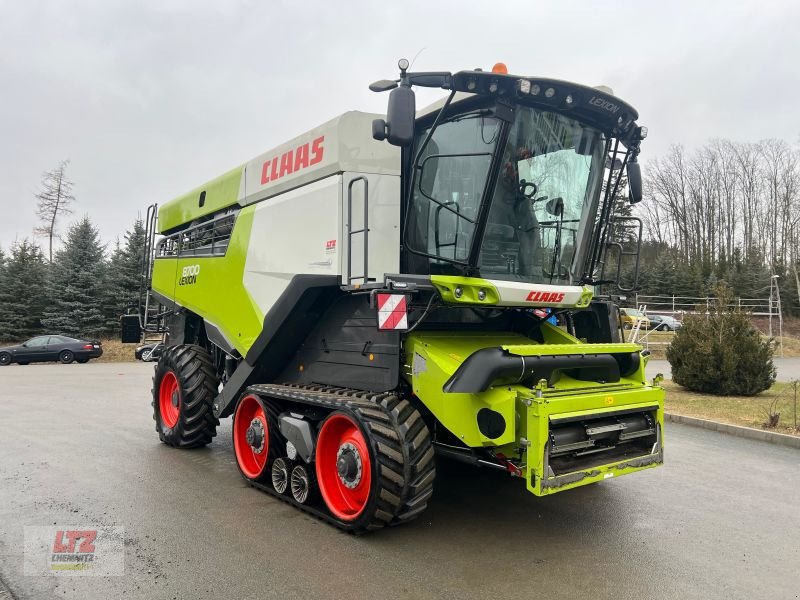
{"x":726,"y":204}
{"x":52,"y":201}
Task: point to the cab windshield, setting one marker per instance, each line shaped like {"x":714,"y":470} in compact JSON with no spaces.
{"x":536,"y":209}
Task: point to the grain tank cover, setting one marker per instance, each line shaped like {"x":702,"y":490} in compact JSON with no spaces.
{"x":342,"y":144}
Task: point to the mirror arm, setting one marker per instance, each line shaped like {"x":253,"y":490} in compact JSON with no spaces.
{"x":435,"y":79}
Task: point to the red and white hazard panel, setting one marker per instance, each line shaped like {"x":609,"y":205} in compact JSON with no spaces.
{"x":392,"y":311}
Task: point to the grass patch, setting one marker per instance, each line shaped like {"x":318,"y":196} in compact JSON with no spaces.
{"x":116,"y":351}
{"x":747,"y":411}
{"x":791,"y":347}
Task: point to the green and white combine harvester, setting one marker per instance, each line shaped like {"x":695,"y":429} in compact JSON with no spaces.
{"x":380,"y":291}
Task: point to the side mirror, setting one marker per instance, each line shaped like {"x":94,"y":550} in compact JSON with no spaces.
{"x":400,"y":117}
{"x":555,"y":207}
{"x":635,"y":182}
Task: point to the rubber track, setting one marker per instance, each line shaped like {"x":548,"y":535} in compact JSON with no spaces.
{"x":196,"y":376}
{"x":401,"y":446}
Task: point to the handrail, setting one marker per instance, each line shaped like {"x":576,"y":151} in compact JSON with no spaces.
{"x":351,"y":232}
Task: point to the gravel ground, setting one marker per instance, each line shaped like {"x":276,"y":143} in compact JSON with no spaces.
{"x":719,"y":520}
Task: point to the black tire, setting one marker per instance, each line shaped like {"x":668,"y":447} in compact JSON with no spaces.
{"x":626,"y":326}
{"x":5,"y":359}
{"x":197,"y":385}
{"x":66,"y":356}
{"x":23,"y":363}
{"x":419,"y":469}
{"x":83,"y":361}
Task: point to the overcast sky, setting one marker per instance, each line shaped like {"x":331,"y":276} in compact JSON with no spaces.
{"x":150,"y":98}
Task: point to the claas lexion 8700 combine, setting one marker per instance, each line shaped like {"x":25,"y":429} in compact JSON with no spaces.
{"x":380,"y":291}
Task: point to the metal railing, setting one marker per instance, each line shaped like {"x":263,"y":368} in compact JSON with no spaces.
{"x":680,"y":305}
{"x":205,"y":239}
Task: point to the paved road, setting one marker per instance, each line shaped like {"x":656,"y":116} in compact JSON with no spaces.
{"x":720,"y":520}
{"x":788,"y":368}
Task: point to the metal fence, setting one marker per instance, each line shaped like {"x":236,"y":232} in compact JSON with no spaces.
{"x":679,"y":306}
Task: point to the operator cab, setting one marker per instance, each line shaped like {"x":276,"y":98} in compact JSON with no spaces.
{"x":511,"y":178}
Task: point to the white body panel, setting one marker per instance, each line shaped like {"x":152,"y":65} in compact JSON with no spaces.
{"x":518,"y":293}
{"x":304,"y":231}
{"x":290,"y":235}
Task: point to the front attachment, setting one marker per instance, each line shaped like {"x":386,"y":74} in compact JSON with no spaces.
{"x":571,"y":449}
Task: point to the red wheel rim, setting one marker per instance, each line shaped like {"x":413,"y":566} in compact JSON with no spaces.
{"x":169,"y":399}
{"x":340,"y":434}
{"x":252,"y":461}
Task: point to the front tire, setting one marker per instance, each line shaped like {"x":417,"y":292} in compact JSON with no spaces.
{"x":83,"y":361}
{"x":5,"y":359}
{"x":184,"y":386}
{"x":66,"y":356}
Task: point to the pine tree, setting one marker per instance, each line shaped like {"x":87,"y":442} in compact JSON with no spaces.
{"x":77,"y":283}
{"x":752,"y":277}
{"x":623,"y":209}
{"x":3,"y":316}
{"x":23,"y":295}
{"x":721,"y":353}
{"x":124,"y":276}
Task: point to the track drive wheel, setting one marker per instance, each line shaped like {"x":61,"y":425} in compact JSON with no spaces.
{"x":344,"y":466}
{"x":376,"y":471}
{"x":184,"y":386}
{"x":255,"y":438}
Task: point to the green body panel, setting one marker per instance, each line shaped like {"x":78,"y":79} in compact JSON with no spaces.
{"x":218,"y":293}
{"x":432,"y":357}
{"x":470,"y":286}
{"x":221,"y":192}
{"x":550,"y":405}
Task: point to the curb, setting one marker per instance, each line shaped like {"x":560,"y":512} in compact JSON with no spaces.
{"x":779,"y":439}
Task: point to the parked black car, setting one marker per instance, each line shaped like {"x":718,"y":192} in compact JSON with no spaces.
{"x":149,"y":352}
{"x":46,"y":348}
